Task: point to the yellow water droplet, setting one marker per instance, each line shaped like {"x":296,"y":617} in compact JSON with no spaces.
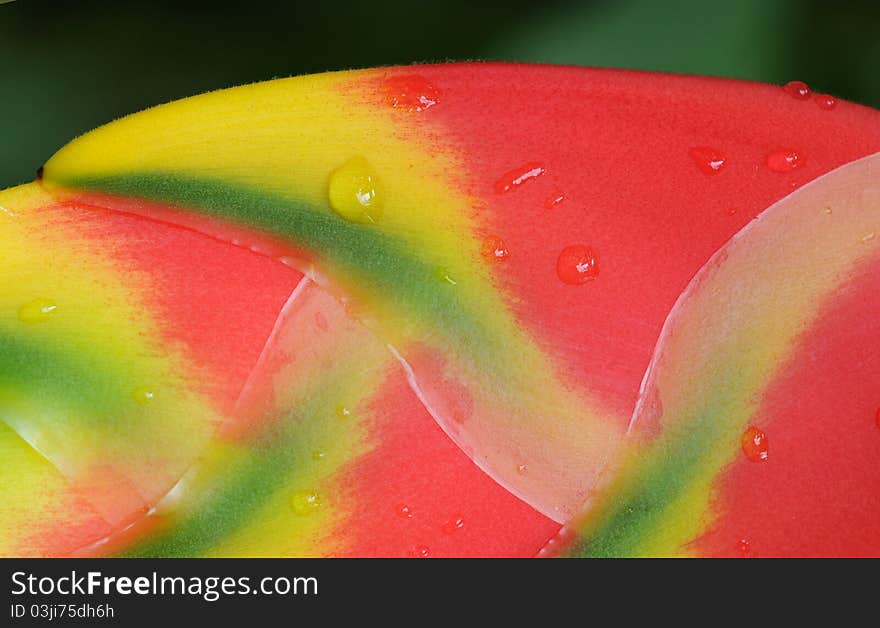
{"x":143,"y":395}
{"x":442,"y":273}
{"x":342,"y":411}
{"x":37,"y":311}
{"x":355,"y":191}
{"x":305,"y":502}
{"x":318,"y":455}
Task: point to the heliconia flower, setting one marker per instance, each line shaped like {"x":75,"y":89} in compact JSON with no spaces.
{"x":409,"y":311}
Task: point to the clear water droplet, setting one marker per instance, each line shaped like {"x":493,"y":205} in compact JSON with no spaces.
{"x":411,"y":93}
{"x":577,"y":264}
{"x":143,"y":394}
{"x":513,"y":179}
{"x":553,"y":200}
{"x":784,"y":160}
{"x":442,"y":273}
{"x":422,"y":551}
{"x":494,"y":249}
{"x":709,"y":160}
{"x":454,"y":524}
{"x":403,"y":511}
{"x":37,"y":311}
{"x":825,"y":101}
{"x":868,"y":237}
{"x":342,"y":411}
{"x":318,"y":455}
{"x":754,"y":445}
{"x":522,"y":469}
{"x":305,"y":502}
{"x":798,"y":89}
{"x":355,"y":191}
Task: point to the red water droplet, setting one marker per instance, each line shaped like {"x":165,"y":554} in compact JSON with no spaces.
{"x":798,"y":89}
{"x":455,"y":523}
{"x":744,"y":547}
{"x":410,"y":92}
{"x":825,"y":101}
{"x":731,"y":211}
{"x":708,"y":160}
{"x":494,"y":249}
{"x":784,"y":160}
{"x":514,"y":178}
{"x":403,"y":511}
{"x":577,"y":264}
{"x":754,"y":445}
{"x":421,"y":551}
{"x":554,"y":200}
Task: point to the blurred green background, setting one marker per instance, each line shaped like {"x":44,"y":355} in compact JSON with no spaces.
{"x":68,"y":66}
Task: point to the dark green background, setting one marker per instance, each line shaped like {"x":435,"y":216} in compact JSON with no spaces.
{"x":66,"y":67}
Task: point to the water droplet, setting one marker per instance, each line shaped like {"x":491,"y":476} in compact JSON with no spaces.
{"x":455,"y":523}
{"x":868,"y":237}
{"x":521,"y":469}
{"x":494,"y":249}
{"x":143,"y":394}
{"x":708,"y":160}
{"x":825,"y":101}
{"x":797,"y":89}
{"x":730,"y":211}
{"x":784,"y":160}
{"x":355,"y":192}
{"x":411,"y":93}
{"x":318,"y":455}
{"x":7,"y":212}
{"x":553,"y":200}
{"x":514,"y":178}
{"x":577,"y":264}
{"x":37,"y":311}
{"x":342,"y":411}
{"x":421,"y":551}
{"x":744,"y":547}
{"x":754,"y":445}
{"x":442,"y":273}
{"x":305,"y":502}
{"x":828,"y":210}
{"x":403,"y":511}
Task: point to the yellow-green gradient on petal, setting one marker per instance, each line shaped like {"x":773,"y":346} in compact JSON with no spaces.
{"x":85,"y":379}
{"x":729,"y":337}
{"x":266,"y":157}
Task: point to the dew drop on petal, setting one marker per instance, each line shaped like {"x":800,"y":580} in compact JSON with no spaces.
{"x":784,"y":160}
{"x":305,"y":502}
{"x":494,"y":249}
{"x":403,"y":511}
{"x":825,"y":101}
{"x":355,"y":191}
{"x":798,"y":89}
{"x":553,"y":200}
{"x":411,"y":93}
{"x":512,"y":179}
{"x":318,"y":455}
{"x":342,"y":411}
{"x":521,"y":469}
{"x":442,"y":273}
{"x":708,"y":160}
{"x":754,"y":444}
{"x":455,"y":523}
{"x":422,"y":551}
{"x":744,"y":547}
{"x":577,"y":264}
{"x":37,"y":311}
{"x":143,"y":394}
